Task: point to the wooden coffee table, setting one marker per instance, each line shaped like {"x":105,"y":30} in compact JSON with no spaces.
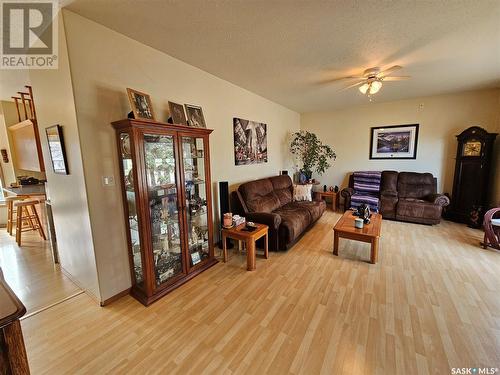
{"x":369,"y":233}
{"x":236,"y":233}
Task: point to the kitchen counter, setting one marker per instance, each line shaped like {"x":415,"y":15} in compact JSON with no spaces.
{"x":25,"y":190}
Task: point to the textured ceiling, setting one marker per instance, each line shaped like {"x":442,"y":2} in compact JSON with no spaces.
{"x":286,"y":50}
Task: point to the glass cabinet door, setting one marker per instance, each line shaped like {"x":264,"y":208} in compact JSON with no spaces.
{"x":159,"y":153}
{"x":133,"y":221}
{"x":193,"y":154}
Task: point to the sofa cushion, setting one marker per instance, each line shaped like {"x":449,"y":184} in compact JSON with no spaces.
{"x":302,"y":193}
{"x":418,"y":208}
{"x":315,"y":208}
{"x":283,"y":187}
{"x":358,"y":199}
{"x":295,"y":219}
{"x":389,"y":181}
{"x":416,"y":185}
{"x":259,"y":196}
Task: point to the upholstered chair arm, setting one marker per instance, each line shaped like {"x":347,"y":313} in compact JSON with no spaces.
{"x":267,"y":218}
{"x":439,"y":199}
{"x":347,"y":192}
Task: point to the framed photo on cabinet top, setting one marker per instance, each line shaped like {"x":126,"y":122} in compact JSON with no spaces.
{"x":57,"y":149}
{"x":177,"y":113}
{"x":394,"y":142}
{"x":141,"y":104}
{"x":195,"y":116}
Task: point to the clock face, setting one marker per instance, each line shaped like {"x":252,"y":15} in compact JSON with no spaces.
{"x":472,"y":148}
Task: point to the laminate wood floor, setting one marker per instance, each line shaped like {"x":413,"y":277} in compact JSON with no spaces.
{"x":431,"y":303}
{"x":31,"y":273}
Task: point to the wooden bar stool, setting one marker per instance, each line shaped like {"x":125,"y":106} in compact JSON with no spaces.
{"x":11,"y":211}
{"x":27,"y":219}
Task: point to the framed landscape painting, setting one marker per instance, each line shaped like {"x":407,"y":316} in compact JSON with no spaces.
{"x":394,"y":142}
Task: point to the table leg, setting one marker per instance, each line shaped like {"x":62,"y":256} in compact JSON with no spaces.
{"x":374,"y":251}
{"x":335,"y":243}
{"x":250,"y":245}
{"x":224,"y":247}
{"x":266,"y":248}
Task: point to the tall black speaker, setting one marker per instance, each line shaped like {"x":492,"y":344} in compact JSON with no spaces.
{"x":223,"y":199}
{"x":224,"y":207}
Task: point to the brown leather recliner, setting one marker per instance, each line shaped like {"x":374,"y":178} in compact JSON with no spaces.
{"x":418,"y":201}
{"x":407,"y":196}
{"x":270,"y":201}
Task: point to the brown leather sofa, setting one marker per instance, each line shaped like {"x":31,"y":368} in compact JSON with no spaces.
{"x":407,"y":196}
{"x":270,"y":201}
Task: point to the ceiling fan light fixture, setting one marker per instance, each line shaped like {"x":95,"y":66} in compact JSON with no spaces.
{"x":364,"y":88}
{"x":375,"y":87}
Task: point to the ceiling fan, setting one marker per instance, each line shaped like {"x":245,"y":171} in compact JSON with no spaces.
{"x":371,"y":81}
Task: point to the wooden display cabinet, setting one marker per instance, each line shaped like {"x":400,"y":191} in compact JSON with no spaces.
{"x":165,"y":177}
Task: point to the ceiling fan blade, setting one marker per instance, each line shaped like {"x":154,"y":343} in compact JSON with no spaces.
{"x":353,"y":85}
{"x":392,"y":69}
{"x":333,"y":80}
{"x":395,"y":78}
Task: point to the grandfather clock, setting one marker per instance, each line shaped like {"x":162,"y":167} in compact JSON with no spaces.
{"x":472,"y":173}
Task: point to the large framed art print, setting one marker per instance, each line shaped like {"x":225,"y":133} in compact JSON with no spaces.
{"x":394,"y":142}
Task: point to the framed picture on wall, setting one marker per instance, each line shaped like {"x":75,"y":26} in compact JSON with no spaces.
{"x":394,"y":142}
{"x":141,"y":104}
{"x":57,"y":150}
{"x":250,"y":142}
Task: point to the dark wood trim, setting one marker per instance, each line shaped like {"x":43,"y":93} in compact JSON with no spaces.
{"x":116,"y":297}
{"x":13,"y":358}
{"x":11,"y":303}
{"x":125,"y":123}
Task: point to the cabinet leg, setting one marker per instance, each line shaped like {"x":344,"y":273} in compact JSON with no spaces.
{"x":374,"y":251}
{"x":335,"y":243}
{"x":250,"y":245}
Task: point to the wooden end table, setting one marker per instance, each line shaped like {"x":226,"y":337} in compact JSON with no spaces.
{"x":236,"y":233}
{"x":329,"y":194}
{"x":369,"y":233}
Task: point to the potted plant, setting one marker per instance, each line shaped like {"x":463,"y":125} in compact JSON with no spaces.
{"x":311,"y":153}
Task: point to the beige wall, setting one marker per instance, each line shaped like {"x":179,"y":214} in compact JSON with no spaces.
{"x":7,"y":168}
{"x":103,"y":64}
{"x":440,"y":119}
{"x":55,"y":105}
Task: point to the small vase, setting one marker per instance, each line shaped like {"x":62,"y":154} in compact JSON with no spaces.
{"x":302,"y":178}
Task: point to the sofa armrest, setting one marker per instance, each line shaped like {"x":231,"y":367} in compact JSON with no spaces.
{"x":347,"y":192}
{"x":389,"y":194}
{"x":271,"y":220}
{"x":439,"y":199}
